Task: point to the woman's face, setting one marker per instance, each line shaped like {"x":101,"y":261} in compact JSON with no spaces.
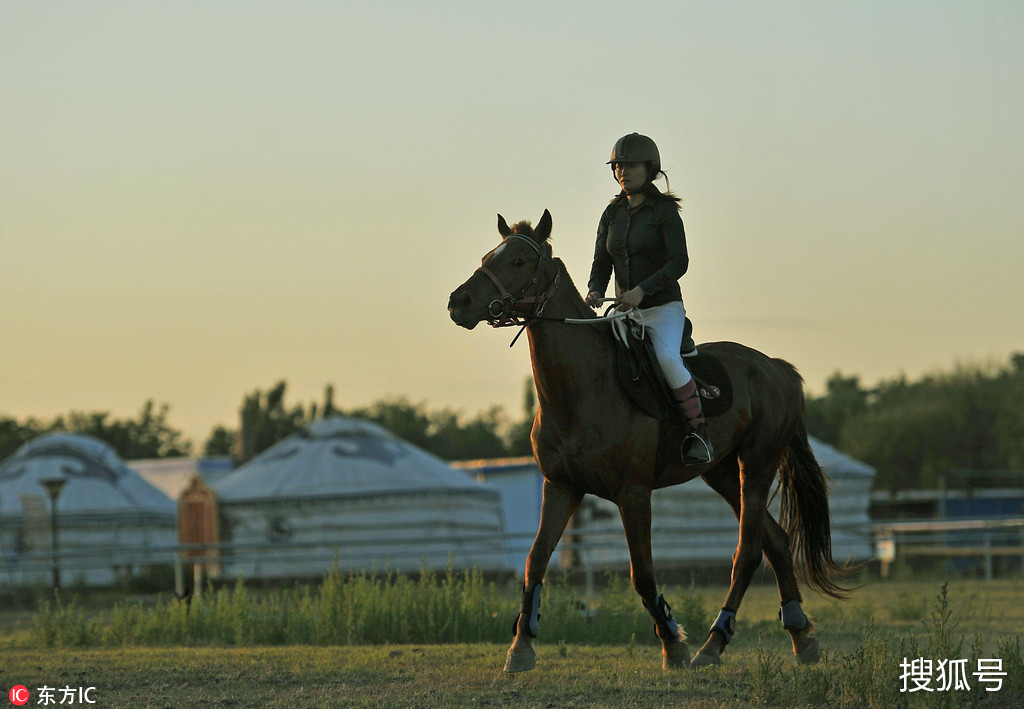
{"x":631,"y":176}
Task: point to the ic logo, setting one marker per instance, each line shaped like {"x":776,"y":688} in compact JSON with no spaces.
{"x":18,"y":695}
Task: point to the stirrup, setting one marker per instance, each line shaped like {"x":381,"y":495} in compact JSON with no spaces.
{"x":697,"y":449}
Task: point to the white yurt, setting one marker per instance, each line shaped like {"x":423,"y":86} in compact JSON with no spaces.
{"x":350,"y":490}
{"x":110,"y":522}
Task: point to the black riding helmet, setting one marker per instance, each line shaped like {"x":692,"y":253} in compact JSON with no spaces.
{"x":637,"y":148}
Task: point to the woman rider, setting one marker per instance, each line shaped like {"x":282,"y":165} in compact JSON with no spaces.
{"x":640,"y":237}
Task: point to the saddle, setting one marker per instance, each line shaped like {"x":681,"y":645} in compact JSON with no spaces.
{"x":642,"y":379}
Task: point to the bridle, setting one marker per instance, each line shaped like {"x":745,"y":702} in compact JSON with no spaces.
{"x":504,"y":311}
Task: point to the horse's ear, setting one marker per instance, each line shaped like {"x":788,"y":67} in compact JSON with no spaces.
{"x":503,"y":227}
{"x":543,"y":229}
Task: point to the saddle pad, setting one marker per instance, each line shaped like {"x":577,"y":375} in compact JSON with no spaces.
{"x":642,"y":380}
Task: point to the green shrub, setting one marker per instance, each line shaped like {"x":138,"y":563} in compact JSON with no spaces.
{"x":65,"y":625}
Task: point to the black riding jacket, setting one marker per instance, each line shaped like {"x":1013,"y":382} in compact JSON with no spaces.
{"x":645,"y":246}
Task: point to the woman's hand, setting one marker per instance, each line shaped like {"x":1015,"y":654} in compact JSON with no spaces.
{"x":631,"y":298}
{"x":594,"y":298}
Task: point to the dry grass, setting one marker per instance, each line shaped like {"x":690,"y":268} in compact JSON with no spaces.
{"x":864,"y":641}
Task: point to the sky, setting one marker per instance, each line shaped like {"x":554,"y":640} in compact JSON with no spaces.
{"x":200,"y":199}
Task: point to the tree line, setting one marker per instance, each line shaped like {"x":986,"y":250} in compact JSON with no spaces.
{"x":967,"y":419}
{"x":148,"y":435}
{"x":911,"y":432}
{"x":269,"y":418}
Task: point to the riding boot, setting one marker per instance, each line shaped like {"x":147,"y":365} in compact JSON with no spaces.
{"x":697,"y":447}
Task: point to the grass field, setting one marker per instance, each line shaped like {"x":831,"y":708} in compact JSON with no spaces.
{"x":864,"y":642}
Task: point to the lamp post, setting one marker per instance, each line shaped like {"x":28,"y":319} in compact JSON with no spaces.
{"x":53,"y":486}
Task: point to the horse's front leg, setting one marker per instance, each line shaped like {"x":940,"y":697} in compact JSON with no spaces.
{"x":557,"y":506}
{"x":635,"y":510}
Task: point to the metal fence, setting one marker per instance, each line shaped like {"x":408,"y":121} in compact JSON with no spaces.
{"x":587,"y":550}
{"x":955,"y":540}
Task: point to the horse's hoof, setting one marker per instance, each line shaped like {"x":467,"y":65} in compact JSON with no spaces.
{"x":705,"y":659}
{"x":805,"y":646}
{"x":520,"y":659}
{"x":711,"y":653}
{"x":676,"y":656}
{"x":810,"y":654}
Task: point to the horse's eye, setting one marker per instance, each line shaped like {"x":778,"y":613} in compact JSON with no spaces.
{"x":518,"y":262}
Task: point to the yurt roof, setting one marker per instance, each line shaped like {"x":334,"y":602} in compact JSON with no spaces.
{"x":837,"y":464}
{"x":98,"y":481}
{"x":341,"y":457}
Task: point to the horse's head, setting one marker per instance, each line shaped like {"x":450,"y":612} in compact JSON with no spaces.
{"x":511,"y":276}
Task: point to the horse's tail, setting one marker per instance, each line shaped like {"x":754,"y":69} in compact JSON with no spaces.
{"x":806,"y":518}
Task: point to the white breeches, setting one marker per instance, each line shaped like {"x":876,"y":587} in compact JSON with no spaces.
{"x":665,"y":325}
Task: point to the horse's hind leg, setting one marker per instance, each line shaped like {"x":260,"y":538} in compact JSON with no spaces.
{"x":556,"y":508}
{"x":635,"y":510}
{"x":754,"y":483}
{"x":796,"y":623}
{"x":725,"y":481}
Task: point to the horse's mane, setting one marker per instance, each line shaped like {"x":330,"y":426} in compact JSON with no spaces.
{"x":525,"y":228}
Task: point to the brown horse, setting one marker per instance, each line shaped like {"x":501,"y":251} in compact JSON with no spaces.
{"x":589,"y":437}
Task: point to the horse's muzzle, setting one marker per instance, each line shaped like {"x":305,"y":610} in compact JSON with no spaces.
{"x":459,"y":305}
